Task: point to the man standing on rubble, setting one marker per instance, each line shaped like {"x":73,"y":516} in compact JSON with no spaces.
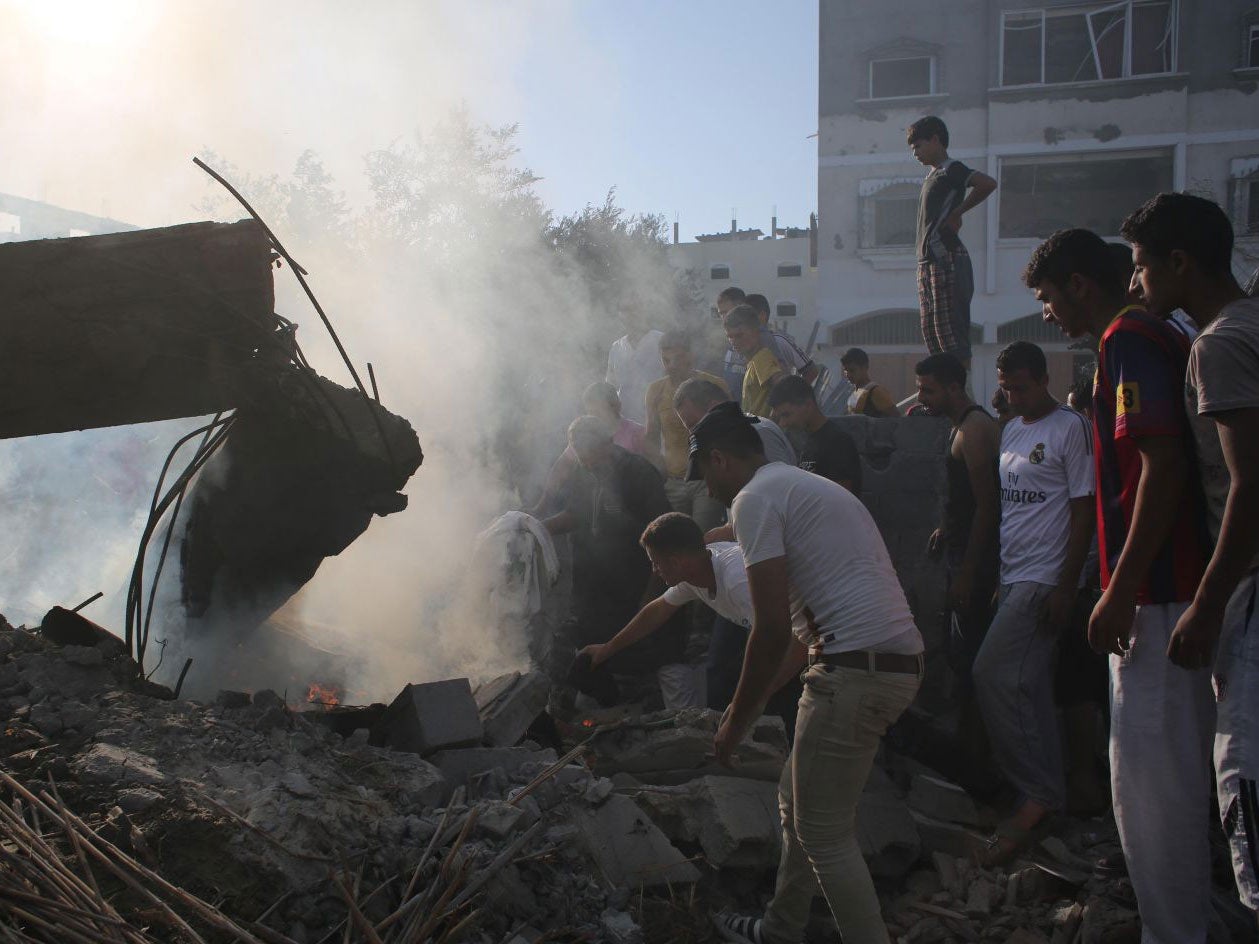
{"x":817,"y":568}
{"x":1152,"y":543}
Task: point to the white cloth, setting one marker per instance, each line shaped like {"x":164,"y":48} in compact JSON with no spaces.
{"x":516,"y":559}
{"x":632,"y":369}
{"x":778,"y":447}
{"x":843,"y":592}
{"x":1044,"y":465}
{"x":683,"y":686}
{"x":1223,"y":374}
{"x":1161,"y":726}
{"x":732,"y":598}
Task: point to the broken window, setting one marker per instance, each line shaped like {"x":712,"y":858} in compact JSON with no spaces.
{"x":1088,"y":43}
{"x":889,"y":213}
{"x":900,"y":78}
{"x":1041,"y":195}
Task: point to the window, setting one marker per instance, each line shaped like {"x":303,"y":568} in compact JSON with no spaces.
{"x":889,"y":213}
{"x":785,"y":310}
{"x":889,"y":326}
{"x":10,"y":223}
{"x":1252,"y":48}
{"x":1088,"y":43}
{"x":903,"y":77}
{"x":1040,"y":195}
{"x":788,"y":270}
{"x":719,"y":272}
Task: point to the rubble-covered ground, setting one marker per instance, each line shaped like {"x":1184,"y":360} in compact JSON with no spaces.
{"x":296,"y":824}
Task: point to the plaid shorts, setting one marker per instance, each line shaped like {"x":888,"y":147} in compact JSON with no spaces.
{"x":944,"y":293}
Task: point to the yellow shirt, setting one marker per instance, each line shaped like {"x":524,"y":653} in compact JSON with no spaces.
{"x":674,"y":439}
{"x":761,"y":367}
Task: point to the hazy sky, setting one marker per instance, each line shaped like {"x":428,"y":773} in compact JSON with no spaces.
{"x":687,"y":108}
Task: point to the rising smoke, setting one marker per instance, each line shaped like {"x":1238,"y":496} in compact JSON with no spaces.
{"x":483,"y":320}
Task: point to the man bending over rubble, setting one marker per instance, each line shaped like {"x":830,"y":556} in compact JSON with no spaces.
{"x":710,"y":574}
{"x":816,"y":567}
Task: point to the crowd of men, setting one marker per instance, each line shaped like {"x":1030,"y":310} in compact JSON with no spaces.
{"x":1120,"y":525}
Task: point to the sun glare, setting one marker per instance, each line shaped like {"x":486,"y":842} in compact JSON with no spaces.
{"x":83,"y":22}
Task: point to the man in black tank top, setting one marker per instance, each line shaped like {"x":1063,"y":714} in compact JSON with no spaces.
{"x":967,"y":537}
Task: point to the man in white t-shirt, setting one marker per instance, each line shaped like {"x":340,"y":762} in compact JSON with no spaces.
{"x":823,"y":590}
{"x":694,"y":572}
{"x":1047,"y":484}
{"x":633,"y":364}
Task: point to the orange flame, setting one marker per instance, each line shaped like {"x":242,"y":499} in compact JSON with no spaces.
{"x":323,"y":694}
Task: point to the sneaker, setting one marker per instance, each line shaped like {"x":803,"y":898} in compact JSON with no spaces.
{"x":740,"y":929}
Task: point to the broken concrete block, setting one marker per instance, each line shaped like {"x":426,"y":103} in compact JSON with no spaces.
{"x":498,"y":819}
{"x":943,"y":800}
{"x":677,"y":747}
{"x":735,"y":821}
{"x":137,"y":799}
{"x":979,"y":899}
{"x":431,"y":716}
{"x":108,"y":763}
{"x":620,"y":927}
{"x":949,"y":838}
{"x":509,"y":704}
{"x":459,"y":765}
{"x":887,"y":834}
{"x":627,"y":847}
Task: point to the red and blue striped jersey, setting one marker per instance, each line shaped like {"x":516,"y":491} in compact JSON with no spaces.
{"x":1138,"y":392}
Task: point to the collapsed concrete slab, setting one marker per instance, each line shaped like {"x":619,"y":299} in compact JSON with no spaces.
{"x":887,"y":834}
{"x":459,"y":765}
{"x":734,"y":820}
{"x":677,"y":747}
{"x":628,"y":848}
{"x":431,"y":716}
{"x":509,"y":704}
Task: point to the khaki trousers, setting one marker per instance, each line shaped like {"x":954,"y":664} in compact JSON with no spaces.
{"x":843,"y":713}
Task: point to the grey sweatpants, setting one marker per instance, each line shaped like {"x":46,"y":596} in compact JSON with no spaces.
{"x":1014,"y":685}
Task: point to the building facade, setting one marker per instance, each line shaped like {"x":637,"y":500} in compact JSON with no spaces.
{"x":1079,"y":111}
{"x":22,"y":219}
{"x":782,"y":268}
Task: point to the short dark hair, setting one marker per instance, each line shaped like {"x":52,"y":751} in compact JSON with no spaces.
{"x":603,"y":392}
{"x":733,"y":294}
{"x":929,"y":127}
{"x":588,"y":431}
{"x":1069,"y":252}
{"x":1083,"y":388}
{"x":757,"y":302}
{"x":699,"y":391}
{"x":944,"y":367}
{"x":672,"y":533}
{"x":855,"y":355}
{"x":675,"y":339}
{"x":1194,"y":225}
{"x":791,"y":389}
{"x":1023,"y":355}
{"x":742,"y":316}
{"x":1121,"y":257}
{"x":742,"y":442}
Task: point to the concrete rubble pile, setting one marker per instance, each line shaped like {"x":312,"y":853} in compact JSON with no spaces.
{"x":623,"y":829}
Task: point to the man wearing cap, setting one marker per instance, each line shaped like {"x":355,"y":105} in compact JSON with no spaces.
{"x":817,"y":568}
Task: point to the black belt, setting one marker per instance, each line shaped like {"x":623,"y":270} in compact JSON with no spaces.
{"x":896,"y":662}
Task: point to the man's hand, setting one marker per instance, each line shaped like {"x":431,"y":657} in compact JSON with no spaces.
{"x":1056,"y":612}
{"x":1193,"y":640}
{"x":1110,"y":625}
{"x":729,"y":736}
{"x":597,"y":652}
{"x":954,"y":220}
{"x":935,"y":543}
{"x":961,"y":588}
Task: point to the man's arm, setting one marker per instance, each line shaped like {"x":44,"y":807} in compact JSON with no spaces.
{"x":768,"y":643}
{"x":1062,"y":600}
{"x":1162,"y":483}
{"x":979,"y":451}
{"x":653,"y":440}
{"x":981,"y":187}
{"x":1199,"y":627}
{"x":645,"y":622}
{"x":881,"y":402}
{"x":724,"y":532}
